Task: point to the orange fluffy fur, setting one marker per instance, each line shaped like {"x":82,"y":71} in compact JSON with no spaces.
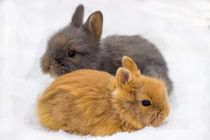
{"x":97,"y":103}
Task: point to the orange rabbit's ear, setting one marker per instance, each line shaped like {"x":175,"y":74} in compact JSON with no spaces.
{"x":123,"y":77}
{"x":128,"y":63}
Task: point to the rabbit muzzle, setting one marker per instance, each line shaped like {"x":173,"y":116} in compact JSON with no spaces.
{"x":158,"y":118}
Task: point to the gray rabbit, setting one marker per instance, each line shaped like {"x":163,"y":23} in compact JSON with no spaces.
{"x":78,"y":46}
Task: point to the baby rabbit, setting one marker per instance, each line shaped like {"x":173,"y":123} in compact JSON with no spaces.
{"x":95,"y":102}
{"x":78,"y":46}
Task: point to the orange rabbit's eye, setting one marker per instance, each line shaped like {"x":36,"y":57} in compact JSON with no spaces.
{"x":145,"y":103}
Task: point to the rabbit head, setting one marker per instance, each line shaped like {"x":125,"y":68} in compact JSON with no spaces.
{"x":75,"y":46}
{"x":140,"y":100}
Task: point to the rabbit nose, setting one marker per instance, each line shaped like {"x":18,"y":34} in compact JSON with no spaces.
{"x":45,"y":65}
{"x":52,"y":65}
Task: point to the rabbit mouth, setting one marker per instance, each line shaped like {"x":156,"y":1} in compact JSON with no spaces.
{"x":53,"y":74}
{"x":44,"y":66}
{"x":46,"y":70}
{"x":58,"y":70}
{"x":53,"y":69}
{"x":158,"y":118}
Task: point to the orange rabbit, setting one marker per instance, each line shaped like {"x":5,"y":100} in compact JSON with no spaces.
{"x":95,"y":102}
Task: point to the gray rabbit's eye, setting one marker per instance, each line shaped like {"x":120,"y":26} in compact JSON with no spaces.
{"x":71,"y":53}
{"x":145,"y":103}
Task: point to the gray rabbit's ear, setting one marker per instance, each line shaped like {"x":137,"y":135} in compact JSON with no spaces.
{"x":94,"y":25}
{"x":77,"y":18}
{"x":128,"y":63}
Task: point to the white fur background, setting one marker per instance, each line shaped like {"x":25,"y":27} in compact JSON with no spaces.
{"x":179,"y":28}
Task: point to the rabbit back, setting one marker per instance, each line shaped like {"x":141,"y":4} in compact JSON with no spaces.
{"x":147,"y":57}
{"x":80,"y":103}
